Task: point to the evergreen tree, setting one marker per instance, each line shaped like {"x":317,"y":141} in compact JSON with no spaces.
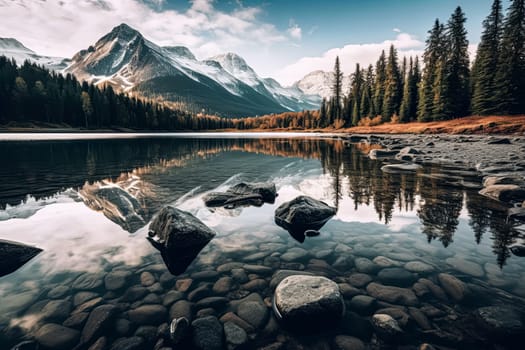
{"x":366,"y":105}
{"x":379,"y":85}
{"x":456,"y":71}
{"x":392,"y":98}
{"x":404,"y":112}
{"x":337,"y":87}
{"x":510,"y":76}
{"x":431,"y":58}
{"x":486,"y":63}
{"x":355,"y":93}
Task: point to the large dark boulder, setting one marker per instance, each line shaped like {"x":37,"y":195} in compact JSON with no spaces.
{"x":14,"y":255}
{"x":242,"y":194}
{"x":179,"y":236}
{"x":302,"y":214}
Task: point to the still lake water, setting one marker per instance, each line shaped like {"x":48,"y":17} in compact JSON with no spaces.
{"x":87,"y":202}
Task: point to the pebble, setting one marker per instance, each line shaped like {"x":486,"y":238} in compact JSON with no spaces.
{"x":183,"y":285}
{"x":148,"y":315}
{"x":395,"y":295}
{"x":235,"y":335}
{"x":418,"y":267}
{"x":116,"y":280}
{"x":294,"y":254}
{"x":147,"y":279}
{"x":359,"y":280}
{"x":455,"y":288}
{"x":171,"y":297}
{"x":466,"y":266}
{"x":253,"y":312}
{"x":207,"y":333}
{"x":54,"y":336}
{"x":345,"y":342}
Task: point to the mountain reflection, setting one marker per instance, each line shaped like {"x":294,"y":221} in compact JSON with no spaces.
{"x":131,"y":179}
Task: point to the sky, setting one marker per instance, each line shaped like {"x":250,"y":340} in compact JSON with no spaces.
{"x":282,"y":39}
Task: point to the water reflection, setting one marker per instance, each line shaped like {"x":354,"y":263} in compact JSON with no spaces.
{"x":130,"y":180}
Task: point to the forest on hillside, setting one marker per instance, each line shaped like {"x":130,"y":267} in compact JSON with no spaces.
{"x":441,"y":85}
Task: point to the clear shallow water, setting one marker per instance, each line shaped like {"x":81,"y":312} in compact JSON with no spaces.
{"x":50,"y":197}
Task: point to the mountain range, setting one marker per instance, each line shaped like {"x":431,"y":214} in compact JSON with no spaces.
{"x":223,"y":84}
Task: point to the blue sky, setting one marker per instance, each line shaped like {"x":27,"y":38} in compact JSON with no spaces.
{"x":278,"y":38}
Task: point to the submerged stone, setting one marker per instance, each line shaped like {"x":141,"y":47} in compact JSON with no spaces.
{"x":308,"y":302}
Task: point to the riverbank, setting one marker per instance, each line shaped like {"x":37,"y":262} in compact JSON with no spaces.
{"x":473,"y":125}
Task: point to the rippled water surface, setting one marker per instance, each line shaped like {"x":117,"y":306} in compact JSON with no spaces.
{"x":88,"y":203}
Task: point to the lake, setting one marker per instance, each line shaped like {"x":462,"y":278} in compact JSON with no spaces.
{"x":87,"y":201}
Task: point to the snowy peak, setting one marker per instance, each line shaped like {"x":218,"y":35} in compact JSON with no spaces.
{"x":180,"y":51}
{"x":13,"y":45}
{"x":320,"y":83}
{"x":13,"y":48}
{"x":237,"y":66}
{"x":123,"y":33}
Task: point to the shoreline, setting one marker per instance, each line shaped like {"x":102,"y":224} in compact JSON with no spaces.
{"x":473,"y":125}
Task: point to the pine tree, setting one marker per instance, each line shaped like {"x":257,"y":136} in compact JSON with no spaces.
{"x":392,"y":98}
{"x":356,"y":91}
{"x":486,"y":63}
{"x":337,"y":87}
{"x":404,"y":113}
{"x":456,"y":89}
{"x":510,"y":76}
{"x":431,"y":58}
{"x":379,"y":85}
{"x":366,"y":105}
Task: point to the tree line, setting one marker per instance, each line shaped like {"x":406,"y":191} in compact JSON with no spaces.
{"x":31,"y":93}
{"x":447,"y":87}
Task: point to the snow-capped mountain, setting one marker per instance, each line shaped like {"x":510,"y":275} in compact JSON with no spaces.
{"x":13,"y":48}
{"x":320,"y":83}
{"x":291,"y":98}
{"x":224,"y":84}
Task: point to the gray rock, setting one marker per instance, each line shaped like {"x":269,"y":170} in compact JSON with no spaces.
{"x":205,"y":275}
{"x":98,"y":321}
{"x":383,"y":262}
{"x":179,"y":329}
{"x":212,"y":302}
{"x":500,"y":321}
{"x":179,"y":236}
{"x":396,"y":276}
{"x":14,"y":255}
{"x":58,"y":292}
{"x":400,"y":168}
{"x":122,"y":327}
{"x":362,"y":304}
{"x":345,"y":342}
{"x":381,"y":154}
{"x":223,"y":285}
{"x":133,"y":343}
{"x":255,"y":285}
{"x":171,"y":297}
{"x":308,"y":301}
{"x":242,"y":194}
{"x":82,"y":297}
{"x":207,"y":333}
{"x":182,"y":308}
{"x":395,"y":295}
{"x":56,"y":310}
{"x":365,"y":265}
{"x":147,"y":279}
{"x":385,"y":326}
{"x":148,"y":315}
{"x":116,"y":280}
{"x":152,"y":298}
{"x":88,"y":281}
{"x":200,"y":292}
{"x":76,"y":321}
{"x":359,"y":280}
{"x":258,"y":269}
{"x":100,"y":344}
{"x":452,"y":286}
{"x":303,"y":213}
{"x":504,"y":193}
{"x":231,"y":317}
{"x":280,"y":275}
{"x":235,"y":335}
{"x":54,"y":336}
{"x":418,"y":267}
{"x":293,"y":254}
{"x":135,"y":293}
{"x":89,"y":305}
{"x":466,"y":266}
{"x":253,"y":312}
{"x":239,"y":275}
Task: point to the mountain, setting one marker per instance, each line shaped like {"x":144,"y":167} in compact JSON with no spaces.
{"x":320,"y":83}
{"x":13,"y":48}
{"x":224,"y":84}
{"x":290,"y":98}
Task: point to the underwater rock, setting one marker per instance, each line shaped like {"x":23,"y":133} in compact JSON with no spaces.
{"x":242,"y":194}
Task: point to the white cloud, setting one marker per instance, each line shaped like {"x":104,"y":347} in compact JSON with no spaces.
{"x":294,"y":30}
{"x":349,"y":55}
{"x":397,"y":30}
{"x":63,"y":27}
